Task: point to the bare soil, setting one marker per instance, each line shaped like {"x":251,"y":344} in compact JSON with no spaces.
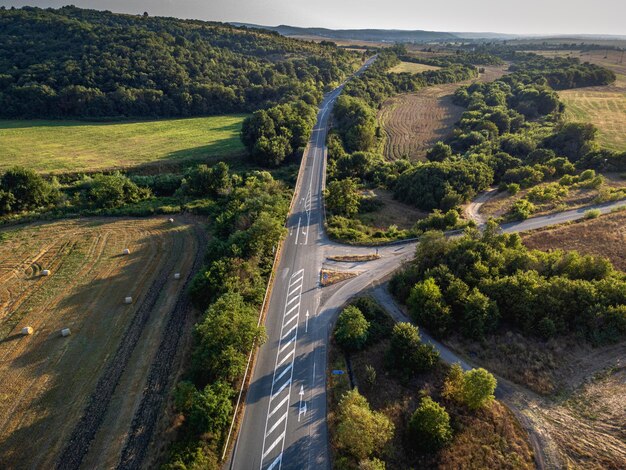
{"x":50,"y":380}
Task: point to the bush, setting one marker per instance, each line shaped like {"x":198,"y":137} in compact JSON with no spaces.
{"x":474,"y":388}
{"x":352,"y":328}
{"x":22,"y":189}
{"x":115,"y":190}
{"x":522,"y":209}
{"x":593,"y":213}
{"x":429,"y":426}
{"x":512,"y":188}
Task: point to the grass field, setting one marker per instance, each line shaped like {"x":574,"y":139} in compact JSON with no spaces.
{"x":603,"y":106}
{"x":47,"y":380}
{"x":413,"y":122}
{"x":411,"y":67}
{"x":71,"y":146}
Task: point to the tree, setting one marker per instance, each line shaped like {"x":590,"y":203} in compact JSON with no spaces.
{"x":427,"y":307}
{"x":480,"y":315}
{"x":478,"y":388}
{"x":407,"y":354}
{"x":224,"y":338}
{"x":343,"y":197}
{"x":522,"y":209}
{"x":351,"y":331}
{"x":205,"y":181}
{"x":453,"y":385}
{"x":429,"y":426}
{"x":360,"y":431}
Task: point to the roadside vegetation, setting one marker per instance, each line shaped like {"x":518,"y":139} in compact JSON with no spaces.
{"x":410,"y":409}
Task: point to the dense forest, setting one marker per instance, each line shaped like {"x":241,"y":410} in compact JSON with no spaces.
{"x":72,"y":62}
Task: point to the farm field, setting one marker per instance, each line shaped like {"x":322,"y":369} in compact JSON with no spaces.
{"x":413,"y":122}
{"x":48,"y":380}
{"x":411,"y":67}
{"x":502,"y":202}
{"x":603,"y":106}
{"x":74,"y":146}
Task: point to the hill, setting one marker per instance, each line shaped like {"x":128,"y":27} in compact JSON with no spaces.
{"x":73,"y":62}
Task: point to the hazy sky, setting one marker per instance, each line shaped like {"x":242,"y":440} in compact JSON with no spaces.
{"x":505,"y":16}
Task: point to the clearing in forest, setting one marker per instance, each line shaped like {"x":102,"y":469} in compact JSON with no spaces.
{"x":413,"y":122}
{"x":47,"y":380}
{"x":411,"y":67}
{"x":75,"y":146}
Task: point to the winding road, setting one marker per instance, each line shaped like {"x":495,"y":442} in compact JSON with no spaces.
{"x":284,"y":418}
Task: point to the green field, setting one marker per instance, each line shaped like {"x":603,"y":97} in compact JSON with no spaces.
{"x":69,"y":146}
{"x":411,"y":67}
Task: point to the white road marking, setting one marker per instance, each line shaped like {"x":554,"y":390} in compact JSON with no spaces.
{"x":274,"y":444}
{"x":298,"y":232}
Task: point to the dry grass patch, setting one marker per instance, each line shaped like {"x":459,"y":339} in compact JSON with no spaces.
{"x":604,"y":236}
{"x":354,"y":258}
{"x":329,"y":277}
{"x":391,"y":212}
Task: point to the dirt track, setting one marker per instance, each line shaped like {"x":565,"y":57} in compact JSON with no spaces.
{"x":66,"y":384}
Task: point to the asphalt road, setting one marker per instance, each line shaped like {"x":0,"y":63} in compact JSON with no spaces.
{"x":284,"y":423}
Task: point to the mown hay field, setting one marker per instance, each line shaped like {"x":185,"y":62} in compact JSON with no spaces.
{"x":410,"y":67}
{"x":603,"y":106}
{"x":74,"y":146}
{"x":413,"y":122}
{"x":48,"y":380}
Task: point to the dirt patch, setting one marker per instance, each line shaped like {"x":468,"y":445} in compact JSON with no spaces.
{"x":391,"y":212}
{"x":50,"y":380}
{"x":328,"y":277}
{"x":413,"y":122}
{"x":604,"y":236}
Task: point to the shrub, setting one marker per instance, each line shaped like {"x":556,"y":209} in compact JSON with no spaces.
{"x":429,"y":426}
{"x":474,"y":388}
{"x":522,"y":209}
{"x":110,"y":191}
{"x":23,"y":189}
{"x":593,"y":213}
{"x":352,"y":328}
{"x":512,"y":188}
{"x":547,"y":193}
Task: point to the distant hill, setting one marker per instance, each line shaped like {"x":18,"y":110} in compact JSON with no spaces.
{"x":417,"y":36}
{"x":373,"y":35}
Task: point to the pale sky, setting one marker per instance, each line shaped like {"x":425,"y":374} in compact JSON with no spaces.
{"x":502,"y":16}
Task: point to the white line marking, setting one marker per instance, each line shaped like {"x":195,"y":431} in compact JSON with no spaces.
{"x":290,"y":320}
{"x":282,"y":387}
{"x":274,"y":444}
{"x":298,"y":232}
{"x":282,"y":374}
{"x":287,"y":356}
{"x":285,"y":346}
{"x":292,"y":308}
{"x":278,"y":460}
{"x":278,"y":407}
{"x":280,"y":420}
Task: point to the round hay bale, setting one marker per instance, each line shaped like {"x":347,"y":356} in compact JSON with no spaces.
{"x":27,"y":330}
{"x":126,"y":251}
{"x":177,"y":276}
{"x":128,"y":300}
{"x":65,"y":332}
{"x":170,"y":220}
{"x":45,"y":272}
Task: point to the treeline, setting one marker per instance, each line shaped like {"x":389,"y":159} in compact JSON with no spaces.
{"x":247,"y":221}
{"x":84,"y":63}
{"x":561,"y":72}
{"x":481,"y":282}
{"x":459,"y":57}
